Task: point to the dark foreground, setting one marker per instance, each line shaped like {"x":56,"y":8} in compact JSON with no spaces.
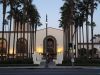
{"x":44,"y":71}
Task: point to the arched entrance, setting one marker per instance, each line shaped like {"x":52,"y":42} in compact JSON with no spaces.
{"x":50,"y":46}
{"x":3,"y":48}
{"x":21,"y":48}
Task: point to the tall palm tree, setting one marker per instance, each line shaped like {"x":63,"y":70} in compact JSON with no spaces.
{"x":93,"y":4}
{"x":84,"y":9}
{"x":88,"y":6}
{"x":35,"y":21}
{"x":66,"y":23}
{"x":36,"y":25}
{"x":4,"y":2}
{"x":15,"y":15}
{"x":11,"y":3}
{"x":86,"y":3}
{"x":31,"y":17}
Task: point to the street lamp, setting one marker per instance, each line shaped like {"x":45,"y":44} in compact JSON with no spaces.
{"x":46,"y":65}
{"x":72,"y":56}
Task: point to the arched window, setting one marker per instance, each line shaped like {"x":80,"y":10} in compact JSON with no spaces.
{"x":3,"y":45}
{"x":21,"y":45}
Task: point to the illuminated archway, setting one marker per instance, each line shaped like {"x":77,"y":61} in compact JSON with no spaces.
{"x":3,"y":46}
{"x":50,"y":46}
{"x":21,"y":47}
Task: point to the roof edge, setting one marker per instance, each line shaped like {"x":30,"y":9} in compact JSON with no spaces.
{"x":49,"y":28}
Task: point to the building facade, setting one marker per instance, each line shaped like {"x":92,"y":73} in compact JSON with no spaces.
{"x":20,"y":45}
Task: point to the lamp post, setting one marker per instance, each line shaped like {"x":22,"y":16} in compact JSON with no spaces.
{"x":72,"y":56}
{"x":46,"y":65}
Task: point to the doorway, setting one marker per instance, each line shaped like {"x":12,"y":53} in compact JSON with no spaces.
{"x":50,"y":47}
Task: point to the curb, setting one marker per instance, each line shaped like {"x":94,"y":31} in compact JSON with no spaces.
{"x":52,"y":67}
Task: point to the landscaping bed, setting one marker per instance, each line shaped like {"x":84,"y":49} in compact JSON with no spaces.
{"x":81,"y":62}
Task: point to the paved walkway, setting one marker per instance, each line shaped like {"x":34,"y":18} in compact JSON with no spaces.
{"x":53,"y":66}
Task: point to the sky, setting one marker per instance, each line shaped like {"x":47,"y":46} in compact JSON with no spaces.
{"x":52,"y":9}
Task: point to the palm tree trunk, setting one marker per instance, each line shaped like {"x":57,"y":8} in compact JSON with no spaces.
{"x":87,"y":34}
{"x":24,"y":37}
{"x":77,"y":41}
{"x":65,"y":41}
{"x":27,"y":39}
{"x":9,"y":36}
{"x":4,"y":12}
{"x":92,"y":8}
{"x":68,"y":42}
{"x":35,"y":42}
{"x":35,"y":37}
{"x":80,"y":35}
{"x":17,"y":34}
{"x":83,"y":35}
{"x":2,"y":36}
{"x":14,"y":39}
{"x":30,"y":52}
{"x":64,"y":45}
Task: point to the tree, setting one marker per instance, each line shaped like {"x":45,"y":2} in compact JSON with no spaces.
{"x":67,"y":22}
{"x":64,"y":23}
{"x":4,"y":2}
{"x":31,"y":17}
{"x":93,"y":6}
{"x":92,"y":53}
{"x":82,"y":53}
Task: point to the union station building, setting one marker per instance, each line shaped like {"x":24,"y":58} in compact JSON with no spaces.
{"x":53,"y":42}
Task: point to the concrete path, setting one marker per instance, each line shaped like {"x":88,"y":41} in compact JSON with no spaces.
{"x":53,"y":65}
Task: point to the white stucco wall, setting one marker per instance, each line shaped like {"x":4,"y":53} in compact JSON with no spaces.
{"x":40,"y":36}
{"x":57,"y":33}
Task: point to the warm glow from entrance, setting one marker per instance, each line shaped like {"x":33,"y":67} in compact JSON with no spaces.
{"x":39,"y":50}
{"x":60,"y":50}
{"x":11,"y":51}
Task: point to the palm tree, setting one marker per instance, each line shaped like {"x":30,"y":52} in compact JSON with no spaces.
{"x":30,"y":16}
{"x":66,"y":23}
{"x":87,"y":29}
{"x":9,"y":18}
{"x":84,"y":9}
{"x":22,"y":11}
{"x":81,"y":21}
{"x":34,"y":19}
{"x":93,"y":6}
{"x":4,"y":2}
{"x":14,"y":13}
{"x":36,"y":25}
